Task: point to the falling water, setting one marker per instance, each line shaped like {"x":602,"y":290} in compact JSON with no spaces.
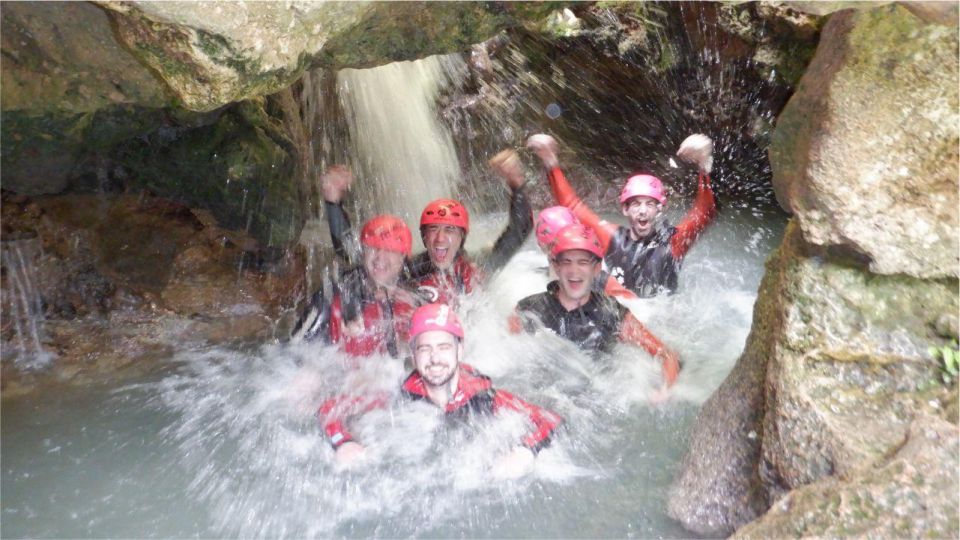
{"x":403,"y":154}
{"x":22,"y":310}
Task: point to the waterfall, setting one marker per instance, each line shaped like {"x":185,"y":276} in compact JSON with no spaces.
{"x":401,"y":154}
{"x":22,"y":308}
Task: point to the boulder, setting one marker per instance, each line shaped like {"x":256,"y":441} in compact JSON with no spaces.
{"x":850,"y":368}
{"x":909,"y":493}
{"x":63,"y":56}
{"x":866,"y":152}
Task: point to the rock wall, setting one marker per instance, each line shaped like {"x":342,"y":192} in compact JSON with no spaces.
{"x":851,"y":431}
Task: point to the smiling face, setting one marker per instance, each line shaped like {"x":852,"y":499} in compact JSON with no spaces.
{"x":576,"y":270}
{"x":436,"y":355}
{"x":442,"y":243}
{"x":641,"y":212}
{"x":382,"y":266}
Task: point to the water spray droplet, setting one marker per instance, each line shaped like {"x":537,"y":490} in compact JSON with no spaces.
{"x":553,"y":111}
{"x":673,"y":163}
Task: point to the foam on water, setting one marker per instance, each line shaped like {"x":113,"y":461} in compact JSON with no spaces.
{"x":227,"y":443}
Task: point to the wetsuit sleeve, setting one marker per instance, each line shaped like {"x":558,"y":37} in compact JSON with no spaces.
{"x":634,"y":332}
{"x":314,"y":322}
{"x":515,"y":323}
{"x":519,"y":226}
{"x":339,"y":223}
{"x":614,"y":288}
{"x":545,"y":422}
{"x":700,"y":215}
{"x":565,"y":195}
{"x":334,"y":413}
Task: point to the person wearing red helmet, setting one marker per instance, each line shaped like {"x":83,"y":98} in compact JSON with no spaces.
{"x":372,"y":300}
{"x":444,"y":269}
{"x":574,"y":309}
{"x":441,"y":378}
{"x":644,"y":257}
{"x":552,"y":220}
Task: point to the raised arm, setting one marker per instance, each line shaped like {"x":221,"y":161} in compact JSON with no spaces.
{"x":334,"y":183}
{"x":633,"y":331}
{"x":545,"y":147}
{"x":696,"y":149}
{"x":507,"y":164}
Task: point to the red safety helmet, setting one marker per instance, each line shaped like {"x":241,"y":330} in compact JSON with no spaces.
{"x":643,"y":185}
{"x":435,"y":317}
{"x":576,"y":236}
{"x":387,"y":232}
{"x":446,"y":212}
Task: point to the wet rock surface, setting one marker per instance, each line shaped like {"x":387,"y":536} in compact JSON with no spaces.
{"x":836,"y":417}
{"x":866,"y":155}
{"x":121,"y":281}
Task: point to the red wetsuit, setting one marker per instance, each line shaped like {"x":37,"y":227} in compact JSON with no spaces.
{"x":467,"y":274}
{"x":385,"y":323}
{"x":650,"y":265}
{"x":474,"y":394}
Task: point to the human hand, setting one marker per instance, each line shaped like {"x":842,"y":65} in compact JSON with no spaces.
{"x":507,"y":164}
{"x":335,"y":182}
{"x":348,"y":455}
{"x":660,"y":396}
{"x":514,"y":464}
{"x":670,"y":362}
{"x":697,"y":149}
{"x":545,"y":147}
{"x":354,"y":328}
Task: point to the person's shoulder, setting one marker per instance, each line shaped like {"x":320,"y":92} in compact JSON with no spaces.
{"x":471,"y":379}
{"x":533,"y":301}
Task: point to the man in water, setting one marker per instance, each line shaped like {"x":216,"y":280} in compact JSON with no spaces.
{"x":370,"y":309}
{"x":645,"y":256}
{"x":445,"y":269}
{"x":574,"y":309}
{"x":454,"y":387}
{"x":554,"y":219}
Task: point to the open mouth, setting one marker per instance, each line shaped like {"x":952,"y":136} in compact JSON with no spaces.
{"x":440,"y":253}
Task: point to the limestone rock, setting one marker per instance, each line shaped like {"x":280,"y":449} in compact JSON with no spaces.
{"x":911,"y":493}
{"x":64,"y":56}
{"x":850,"y":366}
{"x":866,"y":152}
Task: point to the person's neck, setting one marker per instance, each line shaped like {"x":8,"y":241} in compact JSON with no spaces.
{"x":637,"y":238}
{"x":441,"y":395}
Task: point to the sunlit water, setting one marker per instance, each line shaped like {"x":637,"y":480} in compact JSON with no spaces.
{"x":226,"y":443}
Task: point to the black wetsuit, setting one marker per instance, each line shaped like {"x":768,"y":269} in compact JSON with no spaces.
{"x":647,"y":267}
{"x":594,"y":326}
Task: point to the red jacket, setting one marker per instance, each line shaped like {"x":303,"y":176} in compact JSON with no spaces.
{"x":474,"y":393}
{"x":446,"y":287}
{"x":377,"y":324}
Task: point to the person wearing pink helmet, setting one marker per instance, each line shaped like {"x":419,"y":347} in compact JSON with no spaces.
{"x":445,"y":270}
{"x":552,"y":220}
{"x":573,"y":309}
{"x":441,"y":378}
{"x":644,"y":256}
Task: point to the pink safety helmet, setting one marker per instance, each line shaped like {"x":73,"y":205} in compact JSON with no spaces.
{"x":446,"y":212}
{"x":550,"y":222}
{"x":435,"y":317}
{"x":387,"y":232}
{"x":643,"y":185}
{"x":577,"y":236}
